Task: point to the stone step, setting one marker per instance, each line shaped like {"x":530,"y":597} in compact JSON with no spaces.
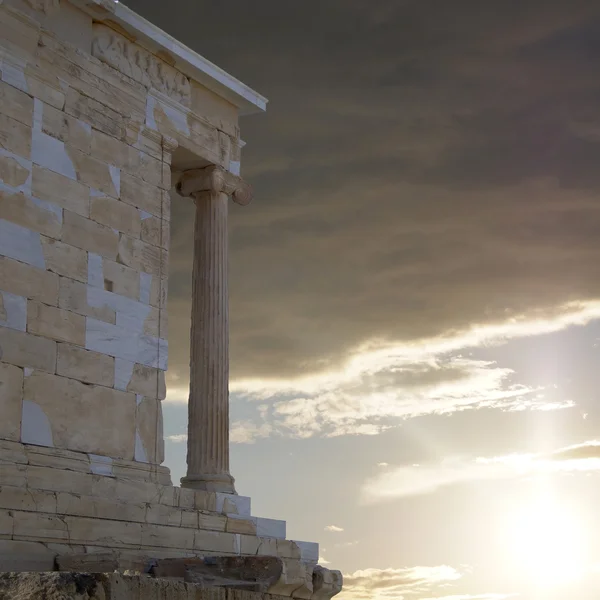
{"x":48,"y":469}
{"x":52,"y":527}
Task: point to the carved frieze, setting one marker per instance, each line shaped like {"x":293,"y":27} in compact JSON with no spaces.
{"x":140,"y":64}
{"x":45,"y":6}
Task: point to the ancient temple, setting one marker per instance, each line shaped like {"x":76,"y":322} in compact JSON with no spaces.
{"x":102,"y":116}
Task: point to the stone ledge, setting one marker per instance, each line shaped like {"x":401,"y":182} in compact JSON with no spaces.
{"x":44,"y":525}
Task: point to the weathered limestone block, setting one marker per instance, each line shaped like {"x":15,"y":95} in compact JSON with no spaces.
{"x":67,"y":405}
{"x":55,"y":323}
{"x":15,"y":171}
{"x":73,"y":296}
{"x":65,"y":259}
{"x":118,"y":279}
{"x":241,"y":524}
{"x":295,"y":579}
{"x":149,"y":431}
{"x":25,"y":556}
{"x":45,"y":6}
{"x":60,"y":190}
{"x":151,"y":231}
{"x":98,"y":115}
{"x":36,"y":215}
{"x":212,"y":541}
{"x":139,"y":64}
{"x":89,"y":235}
{"x":143,"y":195}
{"x":92,"y":78}
{"x":95,"y":173}
{"x":19,"y":34}
{"x":73,"y":132}
{"x":16,"y":105}
{"x":56,"y":458}
{"x":15,"y":136}
{"x":154,"y":171}
{"x":11,"y":396}
{"x":27,"y":350}
{"x":45,"y":86}
{"x":115,"y":152}
{"x":326,"y":583}
{"x":29,"y":282}
{"x":159,"y":291}
{"x":85,"y":365}
{"x":116,"y":215}
{"x":142,"y":256}
{"x":219,"y":112}
{"x":140,"y":379}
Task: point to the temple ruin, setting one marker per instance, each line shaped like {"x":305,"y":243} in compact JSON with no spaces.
{"x":102,"y":115}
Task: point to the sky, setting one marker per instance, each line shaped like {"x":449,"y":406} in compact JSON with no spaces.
{"x":415,"y":289}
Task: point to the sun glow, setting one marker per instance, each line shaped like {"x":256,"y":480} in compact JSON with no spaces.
{"x":548,"y":542}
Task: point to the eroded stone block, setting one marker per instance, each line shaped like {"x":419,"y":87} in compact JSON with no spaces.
{"x":69,"y":404}
{"x":73,"y":296}
{"x":89,"y":235}
{"x":142,"y":195}
{"x":116,"y":215}
{"x":85,"y":365}
{"x":27,"y":281}
{"x":60,"y":190}
{"x":73,"y":132}
{"x":11,"y":396}
{"x":65,"y":259}
{"x":27,"y":350}
{"x":32,"y":213}
{"x":55,"y":323}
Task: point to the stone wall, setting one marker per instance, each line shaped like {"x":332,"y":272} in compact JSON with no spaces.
{"x":92,"y":124}
{"x":88,"y":125}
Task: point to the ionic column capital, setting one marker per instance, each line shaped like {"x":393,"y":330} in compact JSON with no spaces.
{"x":214,"y":180}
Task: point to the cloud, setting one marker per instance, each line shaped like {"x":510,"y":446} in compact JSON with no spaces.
{"x":333,"y":528}
{"x":393,"y":584}
{"x":381,"y":384}
{"x":416,"y":175}
{"x":178,"y":438}
{"x":428,"y":478}
{"x":246,"y":432}
{"x":378,"y":389}
{"x":474,"y":597}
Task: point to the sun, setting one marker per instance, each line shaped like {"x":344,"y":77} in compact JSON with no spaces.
{"x":548,"y":542}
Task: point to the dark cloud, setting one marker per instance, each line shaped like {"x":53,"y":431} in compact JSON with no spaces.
{"x":423,"y":166}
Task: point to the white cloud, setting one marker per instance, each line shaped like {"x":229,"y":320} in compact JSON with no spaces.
{"x":390,"y":584}
{"x":474,"y":597}
{"x":410,"y":582}
{"x":382,"y":384}
{"x":415,"y":480}
{"x":334,"y":528}
{"x":247,"y":432}
{"x":178,"y":438}
{"x":383,"y":464}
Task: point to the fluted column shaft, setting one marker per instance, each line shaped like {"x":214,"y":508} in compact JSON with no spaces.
{"x":208,"y":406}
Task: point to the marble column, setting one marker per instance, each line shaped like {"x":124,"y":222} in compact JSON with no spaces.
{"x":208,"y":408}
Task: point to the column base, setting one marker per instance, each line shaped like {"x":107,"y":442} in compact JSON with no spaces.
{"x":210,"y":482}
